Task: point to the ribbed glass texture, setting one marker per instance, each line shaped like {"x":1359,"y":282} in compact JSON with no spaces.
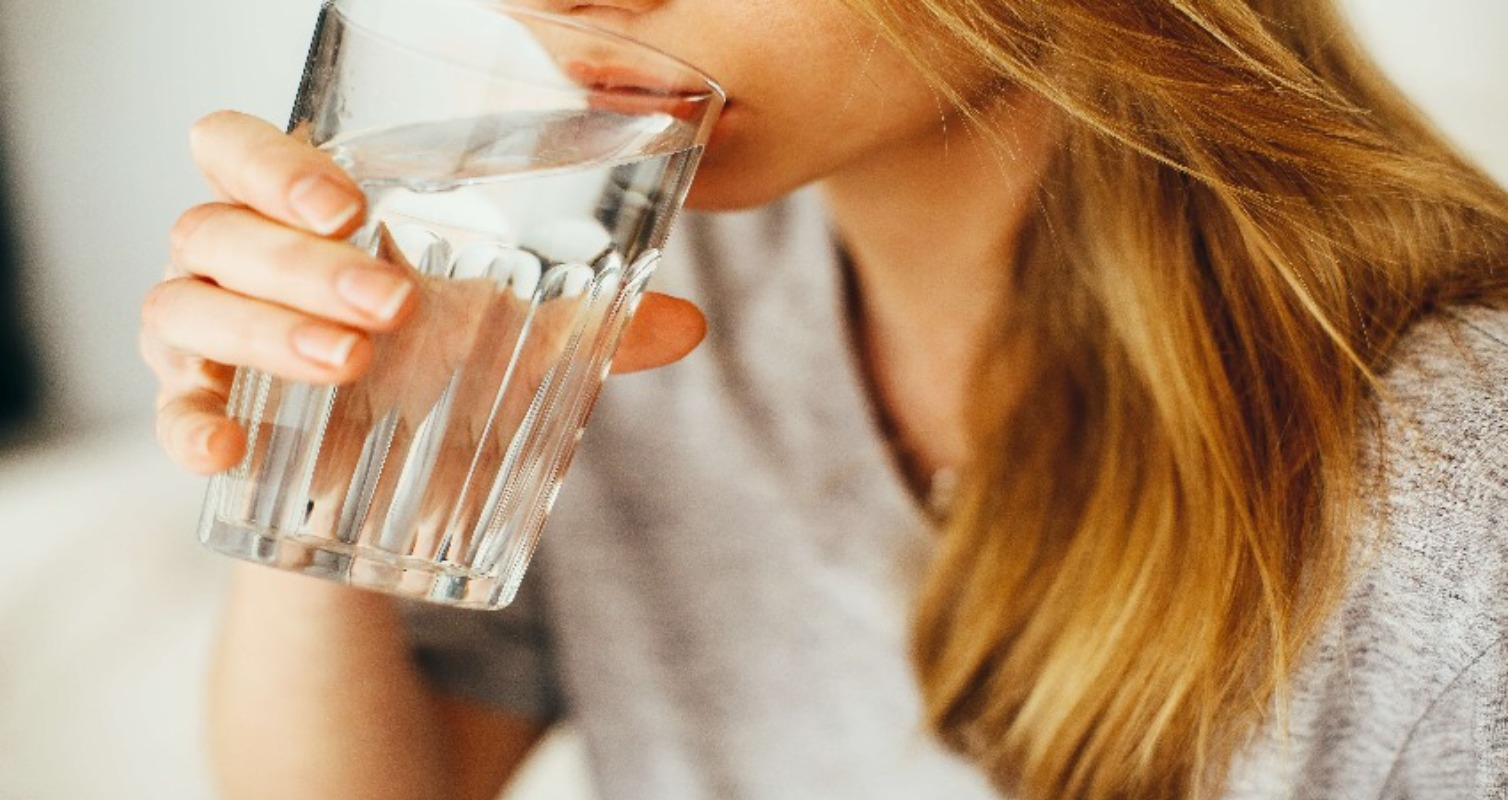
{"x":528,"y":193}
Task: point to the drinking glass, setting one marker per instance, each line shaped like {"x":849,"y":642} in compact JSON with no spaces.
{"x":526,"y":167}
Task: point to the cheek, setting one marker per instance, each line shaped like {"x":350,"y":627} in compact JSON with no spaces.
{"x":771,"y":150}
{"x":774,"y":137}
{"x":818,"y":96}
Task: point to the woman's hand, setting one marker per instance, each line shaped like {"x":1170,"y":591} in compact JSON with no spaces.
{"x":262,"y":278}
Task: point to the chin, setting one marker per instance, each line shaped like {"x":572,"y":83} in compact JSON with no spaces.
{"x":722,"y":187}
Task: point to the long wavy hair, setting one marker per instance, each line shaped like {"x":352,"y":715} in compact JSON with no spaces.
{"x":1241,"y":219}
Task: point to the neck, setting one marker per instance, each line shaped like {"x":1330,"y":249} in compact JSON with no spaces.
{"x":930,"y":228}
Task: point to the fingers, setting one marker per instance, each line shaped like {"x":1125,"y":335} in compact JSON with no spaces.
{"x":178,"y":371}
{"x":253,"y":256}
{"x":256,"y":288}
{"x":191,"y":422}
{"x":191,"y":316}
{"x":250,"y":162}
{"x":193,"y":429}
{"x":663,"y":330}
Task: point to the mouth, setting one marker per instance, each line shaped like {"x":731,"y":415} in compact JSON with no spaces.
{"x":628,"y":91}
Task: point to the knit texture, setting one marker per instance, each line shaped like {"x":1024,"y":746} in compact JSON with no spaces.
{"x":720,"y":601}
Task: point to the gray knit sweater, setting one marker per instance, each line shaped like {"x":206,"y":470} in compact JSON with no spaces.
{"x":1406,"y":693}
{"x":720,"y":600}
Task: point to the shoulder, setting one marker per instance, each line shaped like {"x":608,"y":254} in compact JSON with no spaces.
{"x":1431,"y":594}
{"x":1444,"y":396}
{"x":1440,"y":508}
{"x":1409,"y":665}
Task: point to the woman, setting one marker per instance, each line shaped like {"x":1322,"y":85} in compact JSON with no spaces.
{"x":1123,"y":403}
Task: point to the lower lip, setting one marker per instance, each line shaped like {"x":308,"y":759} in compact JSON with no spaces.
{"x":620,"y":88}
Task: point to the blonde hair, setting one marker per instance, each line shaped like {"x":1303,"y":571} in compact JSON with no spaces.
{"x":1242,"y":218}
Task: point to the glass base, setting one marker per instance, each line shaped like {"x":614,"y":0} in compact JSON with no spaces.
{"x":359,"y":566}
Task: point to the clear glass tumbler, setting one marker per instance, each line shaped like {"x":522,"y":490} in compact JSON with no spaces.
{"x":527,"y":168}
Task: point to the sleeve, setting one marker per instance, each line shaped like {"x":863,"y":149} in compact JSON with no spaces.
{"x":501,"y":659}
{"x":1459,"y":748}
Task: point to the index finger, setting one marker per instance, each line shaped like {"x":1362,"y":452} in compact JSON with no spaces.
{"x":250,"y":162}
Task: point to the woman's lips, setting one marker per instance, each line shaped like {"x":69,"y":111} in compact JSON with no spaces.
{"x":616,"y":77}
{"x":621,"y":89}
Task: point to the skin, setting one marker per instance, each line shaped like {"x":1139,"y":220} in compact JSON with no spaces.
{"x":260,"y":278}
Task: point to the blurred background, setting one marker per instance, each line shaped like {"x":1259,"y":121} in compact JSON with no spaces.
{"x":106,"y":601}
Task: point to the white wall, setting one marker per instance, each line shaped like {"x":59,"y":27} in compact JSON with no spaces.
{"x":98,"y":97}
{"x":1452,"y":57}
{"x":99,"y":94}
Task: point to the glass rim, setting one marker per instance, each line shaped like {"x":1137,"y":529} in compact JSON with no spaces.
{"x":709,"y":89}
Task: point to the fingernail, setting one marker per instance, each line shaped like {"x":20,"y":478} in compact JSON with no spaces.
{"x":323,"y":345}
{"x":376,"y":292}
{"x":324,"y":205}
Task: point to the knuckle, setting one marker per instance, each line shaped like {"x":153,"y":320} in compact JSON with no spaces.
{"x":164,"y":308}
{"x":182,"y":235}
{"x":270,"y":348}
{"x":266,"y":161}
{"x":168,"y":415}
{"x":157,"y":302}
{"x":213,"y":120}
{"x":291,"y":251}
{"x":206,"y":127}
